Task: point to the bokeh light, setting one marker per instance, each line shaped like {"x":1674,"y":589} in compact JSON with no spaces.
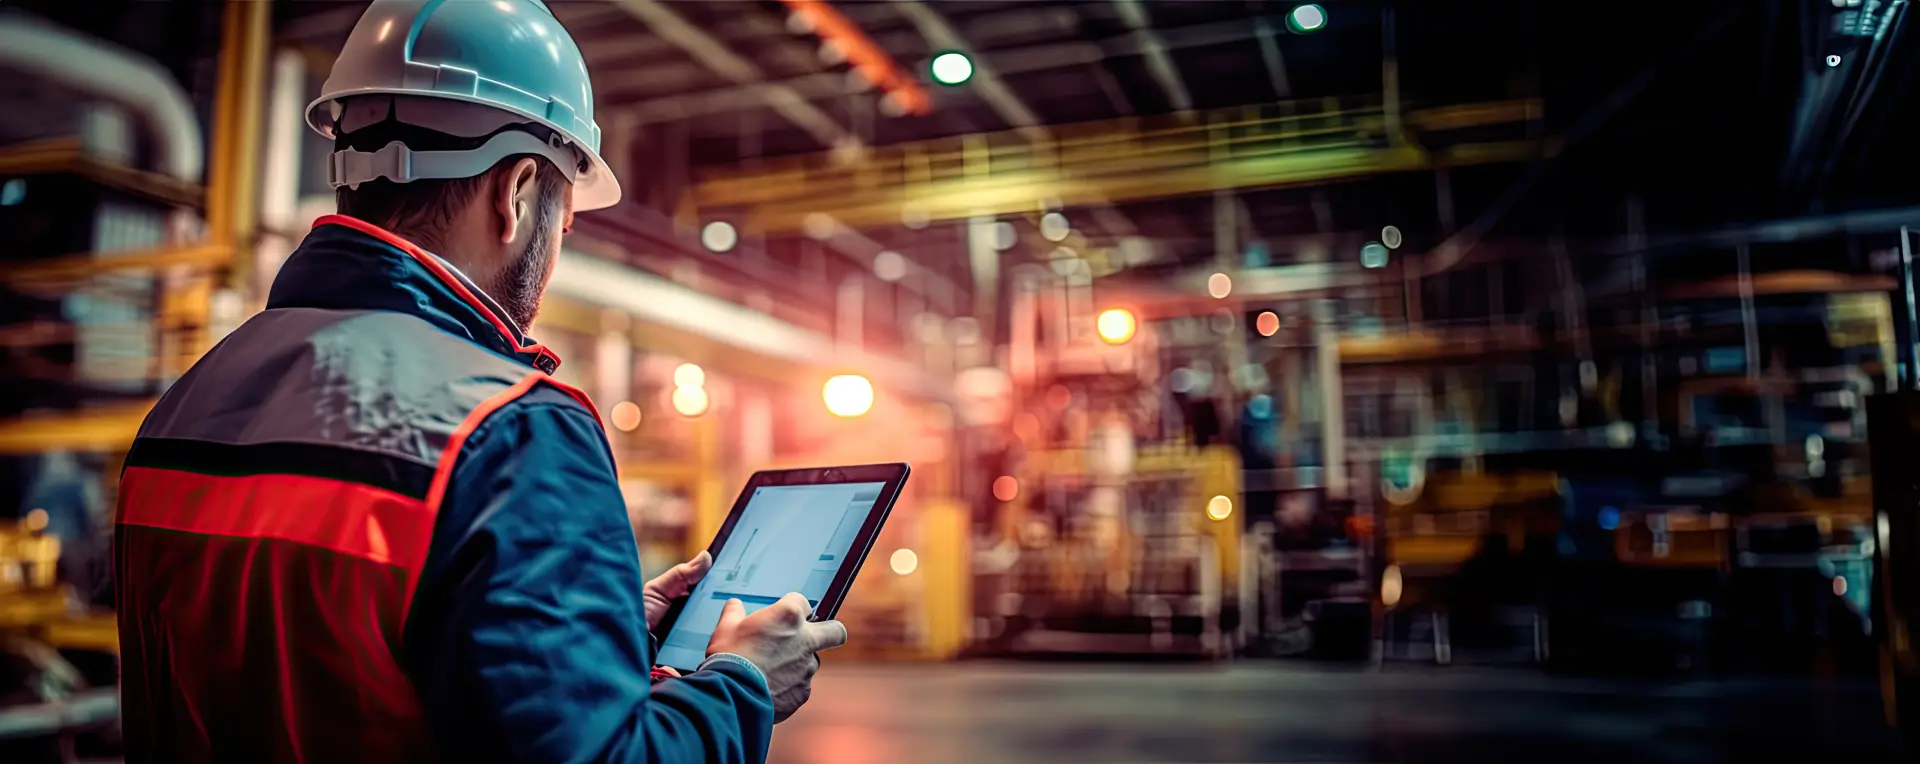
{"x":1115,"y":325}
{"x":1219,"y":285}
{"x":1307,"y":18}
{"x":626,"y":416}
{"x":1219,"y":507}
{"x":1005,"y":488}
{"x":719,"y":236}
{"x":848,"y":395}
{"x":951,"y":68}
{"x":690,"y":401}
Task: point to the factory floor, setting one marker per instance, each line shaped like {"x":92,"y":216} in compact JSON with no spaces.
{"x":1275,"y":713}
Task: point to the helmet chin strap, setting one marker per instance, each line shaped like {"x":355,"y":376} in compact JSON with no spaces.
{"x":397,"y":163}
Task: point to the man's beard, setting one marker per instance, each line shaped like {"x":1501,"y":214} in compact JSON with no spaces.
{"x":519,"y":286}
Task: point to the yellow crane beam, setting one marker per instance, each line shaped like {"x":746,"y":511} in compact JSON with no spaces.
{"x":1287,"y":143}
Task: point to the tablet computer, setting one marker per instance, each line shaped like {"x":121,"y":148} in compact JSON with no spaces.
{"x":804,"y":531}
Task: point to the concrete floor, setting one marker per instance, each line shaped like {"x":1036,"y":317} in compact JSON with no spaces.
{"x":1284,"y":713}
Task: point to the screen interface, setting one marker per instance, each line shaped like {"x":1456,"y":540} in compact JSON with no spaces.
{"x":788,"y":539}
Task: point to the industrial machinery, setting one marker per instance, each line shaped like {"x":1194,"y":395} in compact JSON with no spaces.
{"x":57,"y":657}
{"x":1893,"y":421}
{"x":1140,"y":561}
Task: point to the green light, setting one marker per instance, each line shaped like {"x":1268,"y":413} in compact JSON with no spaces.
{"x":1307,"y":18}
{"x":951,"y":68}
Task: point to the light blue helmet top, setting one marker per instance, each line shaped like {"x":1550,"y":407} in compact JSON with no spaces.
{"x":464,"y":68}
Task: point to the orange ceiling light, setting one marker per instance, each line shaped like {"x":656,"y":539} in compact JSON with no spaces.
{"x":862,"y":54}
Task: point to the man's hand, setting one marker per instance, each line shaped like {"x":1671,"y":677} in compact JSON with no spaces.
{"x":676,"y":582}
{"x":779,"y":640}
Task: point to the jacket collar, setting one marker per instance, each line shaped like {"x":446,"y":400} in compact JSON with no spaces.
{"x":349,"y":264}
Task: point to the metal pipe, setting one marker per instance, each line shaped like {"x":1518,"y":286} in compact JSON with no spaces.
{"x":38,"y":49}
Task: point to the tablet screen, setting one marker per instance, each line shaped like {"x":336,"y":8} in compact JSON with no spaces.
{"x":789,"y":538}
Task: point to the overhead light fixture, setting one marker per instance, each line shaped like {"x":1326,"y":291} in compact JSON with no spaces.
{"x":951,"y":68}
{"x":1307,"y":18}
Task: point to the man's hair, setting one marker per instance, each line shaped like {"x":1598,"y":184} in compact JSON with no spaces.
{"x":422,"y":210}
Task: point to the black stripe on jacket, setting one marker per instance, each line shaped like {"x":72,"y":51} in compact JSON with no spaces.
{"x":392,"y":473}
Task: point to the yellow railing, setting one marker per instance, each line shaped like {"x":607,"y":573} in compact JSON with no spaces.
{"x":1001,"y":173}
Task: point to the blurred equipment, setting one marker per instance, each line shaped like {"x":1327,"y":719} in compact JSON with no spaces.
{"x":1894,"y":422}
{"x":43,"y":631}
{"x":1138,"y":562}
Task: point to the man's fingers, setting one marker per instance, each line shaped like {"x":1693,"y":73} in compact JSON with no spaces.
{"x":826,"y":635}
{"x":730,"y":614}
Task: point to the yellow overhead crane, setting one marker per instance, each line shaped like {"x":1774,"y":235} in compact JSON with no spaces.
{"x":1283,"y":143}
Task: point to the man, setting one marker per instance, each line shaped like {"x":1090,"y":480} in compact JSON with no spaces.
{"x":368,"y":526}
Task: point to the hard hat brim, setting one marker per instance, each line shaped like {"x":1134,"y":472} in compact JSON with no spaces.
{"x":596,"y":189}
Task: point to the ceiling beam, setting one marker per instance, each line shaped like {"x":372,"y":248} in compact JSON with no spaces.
{"x":1270,"y":54}
{"x":716,"y":56}
{"x":1159,"y":61}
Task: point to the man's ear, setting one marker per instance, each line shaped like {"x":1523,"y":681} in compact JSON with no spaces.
{"x":514,"y":196}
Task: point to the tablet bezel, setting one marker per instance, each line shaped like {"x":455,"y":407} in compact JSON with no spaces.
{"x":894,"y":475}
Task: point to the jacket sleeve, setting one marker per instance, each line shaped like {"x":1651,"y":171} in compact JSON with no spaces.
{"x":528,"y":638}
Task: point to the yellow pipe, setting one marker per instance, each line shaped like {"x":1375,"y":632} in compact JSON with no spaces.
{"x":234,"y":178}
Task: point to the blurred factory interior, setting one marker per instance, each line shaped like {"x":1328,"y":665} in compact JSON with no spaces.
{"x":1403,"y":380}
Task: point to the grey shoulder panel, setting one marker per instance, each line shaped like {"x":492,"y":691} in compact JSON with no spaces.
{"x":377,"y":381}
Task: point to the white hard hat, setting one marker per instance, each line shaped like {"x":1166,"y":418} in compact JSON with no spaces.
{"x":466,"y":68}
